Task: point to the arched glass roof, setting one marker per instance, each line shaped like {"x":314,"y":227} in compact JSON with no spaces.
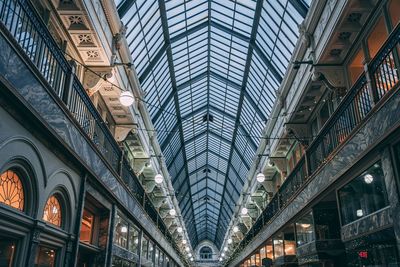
{"x":211,"y":69}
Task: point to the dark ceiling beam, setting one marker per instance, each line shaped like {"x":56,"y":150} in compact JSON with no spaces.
{"x":300,"y":6}
{"x":162,"y":107}
{"x":164,"y":23}
{"x":256,"y":20}
{"x":124,"y":7}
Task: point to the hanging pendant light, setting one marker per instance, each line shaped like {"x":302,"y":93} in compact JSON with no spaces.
{"x":235,"y":229}
{"x":126,"y":98}
{"x":260,"y":177}
{"x":158,"y":178}
{"x":244,"y":211}
{"x":184,"y":241}
{"x":230,"y":241}
{"x":172,"y":212}
{"x":179,"y":229}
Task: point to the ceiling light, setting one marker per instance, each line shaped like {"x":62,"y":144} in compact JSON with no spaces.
{"x":190,"y":254}
{"x":260,"y":177}
{"x":225,"y":248}
{"x":220,"y":259}
{"x":244,"y":211}
{"x":187,"y":249}
{"x":124,"y":229}
{"x":126,"y":98}
{"x":191,"y":259}
{"x":183,"y":241}
{"x":359,"y":213}
{"x":235,"y":229}
{"x":230,"y":241}
{"x":222,"y":254}
{"x":172,"y":212}
{"x":180,"y":230}
{"x":368,"y":178}
{"x":158,"y":179}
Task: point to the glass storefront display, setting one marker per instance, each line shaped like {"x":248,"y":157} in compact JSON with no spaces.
{"x":305,"y":230}
{"x":364,"y":195}
{"x":45,"y":257}
{"x":87,"y":226}
{"x":121,"y":232}
{"x":7,"y":251}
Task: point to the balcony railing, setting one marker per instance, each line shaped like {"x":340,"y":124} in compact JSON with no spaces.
{"x":20,"y":21}
{"x":350,"y":114}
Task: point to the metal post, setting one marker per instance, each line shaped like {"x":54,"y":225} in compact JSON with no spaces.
{"x":69,"y":81}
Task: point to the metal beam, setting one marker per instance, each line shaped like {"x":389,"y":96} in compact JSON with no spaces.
{"x":124,"y":7}
{"x":256,"y":20}
{"x":300,"y":6}
{"x":153,"y":63}
{"x":164,"y":23}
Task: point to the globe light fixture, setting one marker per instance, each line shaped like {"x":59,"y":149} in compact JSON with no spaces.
{"x":222,"y":254}
{"x":126,"y":98}
{"x":368,"y":178}
{"x":244,"y":211}
{"x":172,"y":212}
{"x":180,"y":230}
{"x":191,"y":259}
{"x":187,"y":249}
{"x":230,"y":241}
{"x":183,"y":241}
{"x":158,"y":178}
{"x":124,"y":229}
{"x":225,"y":248}
{"x":220,"y":259}
{"x":260,"y":177}
{"x":235,"y":229}
{"x":190,"y":254}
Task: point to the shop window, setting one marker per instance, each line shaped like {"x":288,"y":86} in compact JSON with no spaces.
{"x":269,"y":250}
{"x":7,"y":252}
{"x":262,"y":253}
{"x":151,"y":251}
{"x":121,"y":232}
{"x":133,"y":239}
{"x":11,"y":190}
{"x":278,"y":246}
{"x":145,"y":247}
{"x":326,"y":220}
{"x":52,"y":211}
{"x":45,"y":257}
{"x":377,"y":37}
{"x":119,"y":262}
{"x":394,"y":11}
{"x":305,"y":230}
{"x":356,"y":66}
{"x":364,"y":195}
{"x":377,"y":249}
{"x":87,"y":226}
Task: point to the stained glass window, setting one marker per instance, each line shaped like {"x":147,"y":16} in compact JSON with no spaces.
{"x":11,"y":190}
{"x":52,"y":211}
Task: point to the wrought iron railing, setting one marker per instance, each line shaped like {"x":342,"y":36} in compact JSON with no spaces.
{"x":351,"y":112}
{"x":20,"y":21}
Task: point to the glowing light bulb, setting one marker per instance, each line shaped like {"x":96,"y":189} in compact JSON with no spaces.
{"x":158,"y":179}
{"x":187,"y":249}
{"x":124,"y":229}
{"x":235,"y":229}
{"x":244,"y":211}
{"x":184,"y":241}
{"x":126,"y":98}
{"x":230,"y":241}
{"x":179,"y":229}
{"x":225,"y":248}
{"x":172,"y":212}
{"x":260,"y":177}
{"x":368,"y":178}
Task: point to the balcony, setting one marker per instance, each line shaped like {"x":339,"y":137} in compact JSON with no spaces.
{"x":365,"y":97}
{"x":29,"y":36}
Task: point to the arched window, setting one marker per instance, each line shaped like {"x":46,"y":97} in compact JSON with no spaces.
{"x":52,"y":211}
{"x":11,"y":190}
{"x":205,"y":253}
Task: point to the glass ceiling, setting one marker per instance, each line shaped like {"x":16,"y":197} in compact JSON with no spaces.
{"x":210,"y":69}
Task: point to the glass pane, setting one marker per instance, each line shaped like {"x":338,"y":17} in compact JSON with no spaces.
{"x":145,"y":247}
{"x":364,"y":195}
{"x":356,"y":66}
{"x":87,"y":226}
{"x":7,"y":251}
{"x":278,"y":246}
{"x":11,"y":190}
{"x":394,"y":10}
{"x":377,"y":37}
{"x":133,"y":239}
{"x":305,"y":230}
{"x":52,"y":211}
{"x":121,"y":232}
{"x":45,"y":257}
